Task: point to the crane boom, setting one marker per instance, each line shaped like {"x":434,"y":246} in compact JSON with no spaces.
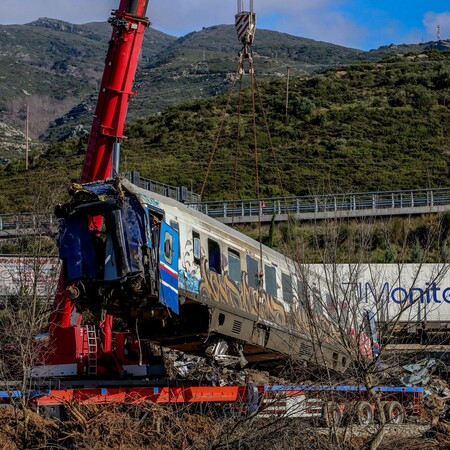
{"x":129,"y":23}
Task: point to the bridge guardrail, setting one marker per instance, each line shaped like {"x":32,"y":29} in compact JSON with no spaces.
{"x":394,"y":200}
{"x":180,"y":193}
{"x":326,"y":203}
{"x":26,"y":221}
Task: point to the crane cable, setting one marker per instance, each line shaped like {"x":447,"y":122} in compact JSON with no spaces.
{"x":244,"y":54}
{"x":255,"y":145}
{"x":237,"y":148}
{"x":246,"y":35}
{"x":245,"y":22}
{"x":220,"y":130}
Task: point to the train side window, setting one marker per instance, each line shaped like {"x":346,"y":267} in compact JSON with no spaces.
{"x":175,"y":226}
{"x":252,"y":272}
{"x":234,"y":265}
{"x":271,"y":280}
{"x":168,"y":245}
{"x":286,"y":283}
{"x":196,"y":241}
{"x":301,"y":294}
{"x":317,"y":299}
{"x":214,"y":256}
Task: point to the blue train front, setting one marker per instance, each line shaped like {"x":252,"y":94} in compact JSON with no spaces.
{"x":118,"y":255}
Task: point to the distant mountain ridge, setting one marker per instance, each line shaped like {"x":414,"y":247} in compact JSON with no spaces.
{"x":54,"y":68}
{"x":154,"y":42}
{"x":95,"y":30}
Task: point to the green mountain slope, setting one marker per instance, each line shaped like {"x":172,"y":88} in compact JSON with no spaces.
{"x":54,"y":67}
{"x":364,"y":127}
{"x":201,"y":64}
{"x":372,"y":126}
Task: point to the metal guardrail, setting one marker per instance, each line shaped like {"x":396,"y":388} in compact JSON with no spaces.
{"x":182,"y":193}
{"x":392,"y":202}
{"x":320,"y":206}
{"x":21,"y":221}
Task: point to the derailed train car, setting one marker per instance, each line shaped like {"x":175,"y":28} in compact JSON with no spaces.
{"x":188,"y":282}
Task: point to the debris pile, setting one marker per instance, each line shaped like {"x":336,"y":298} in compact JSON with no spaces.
{"x":16,"y":428}
{"x":180,"y":365}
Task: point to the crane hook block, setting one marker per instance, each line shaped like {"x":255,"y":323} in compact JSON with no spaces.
{"x":245,"y":23}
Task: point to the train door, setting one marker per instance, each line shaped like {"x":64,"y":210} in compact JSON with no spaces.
{"x":168,"y":267}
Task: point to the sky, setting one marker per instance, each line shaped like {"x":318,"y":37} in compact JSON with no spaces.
{"x":362,"y":24}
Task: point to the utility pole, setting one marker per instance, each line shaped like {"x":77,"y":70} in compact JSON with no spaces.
{"x":287,"y":91}
{"x":26,"y":138}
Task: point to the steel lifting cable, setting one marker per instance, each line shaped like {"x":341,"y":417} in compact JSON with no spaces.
{"x":237,"y":149}
{"x":221,"y":126}
{"x":269,"y":137}
{"x":245,"y":22}
{"x":255,"y":144}
{"x":278,"y":172}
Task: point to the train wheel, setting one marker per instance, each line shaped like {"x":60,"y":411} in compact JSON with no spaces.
{"x":364,"y":413}
{"x":332,"y":414}
{"x":394,"y":412}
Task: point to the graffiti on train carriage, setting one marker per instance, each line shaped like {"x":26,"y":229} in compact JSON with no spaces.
{"x":214,"y":287}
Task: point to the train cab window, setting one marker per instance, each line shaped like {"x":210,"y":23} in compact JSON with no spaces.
{"x":271,"y":280}
{"x":214,"y":256}
{"x":168,"y":246}
{"x":286,"y":283}
{"x":196,"y":245}
{"x":252,"y":272}
{"x":175,"y":226}
{"x":234,"y":265}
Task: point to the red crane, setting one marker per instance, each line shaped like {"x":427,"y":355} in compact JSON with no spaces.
{"x":67,"y":339}
{"x":128,"y":24}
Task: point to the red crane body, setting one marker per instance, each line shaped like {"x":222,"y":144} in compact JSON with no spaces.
{"x":67,"y":339}
{"x":128,"y":24}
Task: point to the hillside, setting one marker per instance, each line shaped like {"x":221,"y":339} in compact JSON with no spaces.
{"x":51,"y":66}
{"x":364,"y":127}
{"x":54,"y":67}
{"x":13,"y":144}
{"x":201,"y":64}
{"x":371,"y":126}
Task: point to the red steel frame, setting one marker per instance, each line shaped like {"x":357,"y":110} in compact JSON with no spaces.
{"x":115,"y":89}
{"x":99,"y":396}
{"x":208,"y":394}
